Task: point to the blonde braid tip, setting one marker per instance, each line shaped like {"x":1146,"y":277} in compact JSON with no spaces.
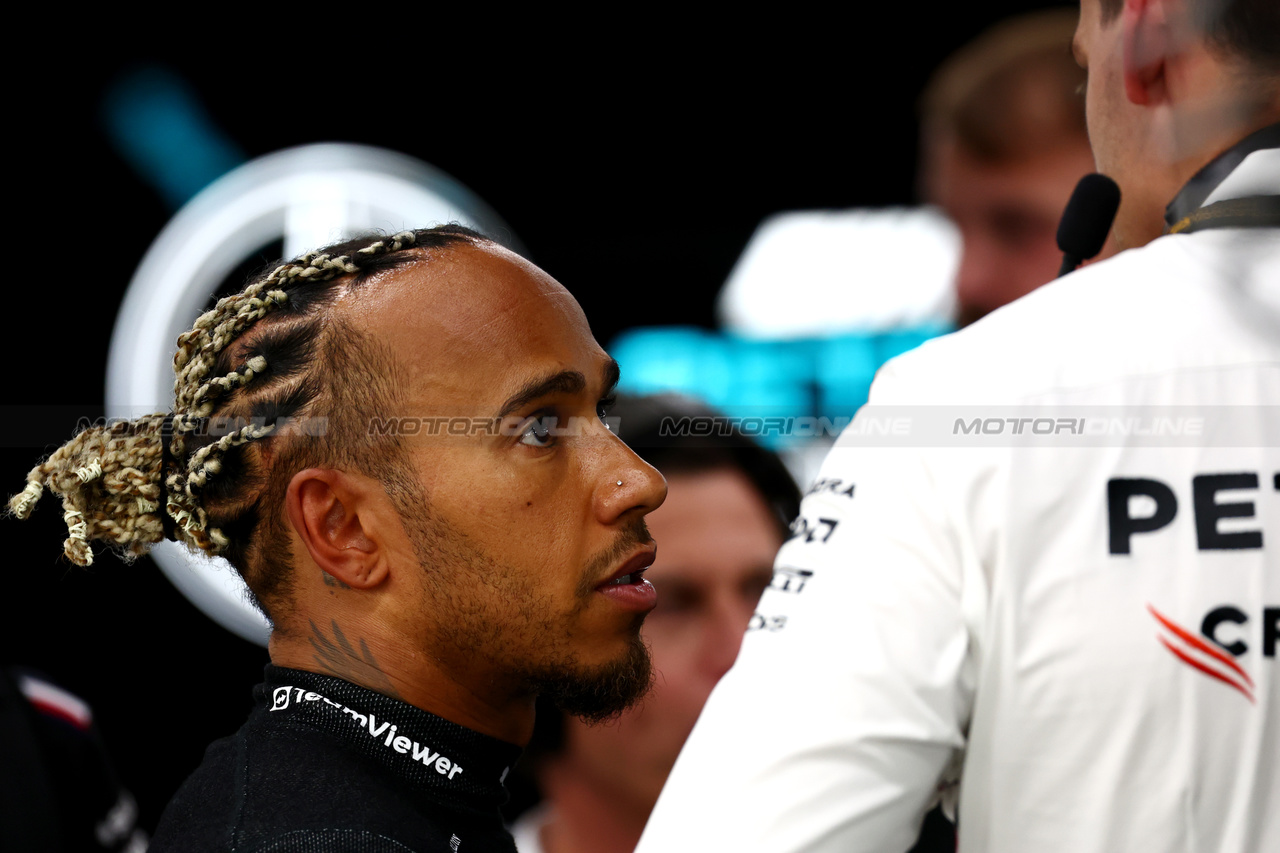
{"x":76,"y":529}
{"x":92,"y":471}
{"x":22,"y":503}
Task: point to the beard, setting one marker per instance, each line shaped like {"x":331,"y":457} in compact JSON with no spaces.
{"x":601,"y":694}
{"x":500,"y":623}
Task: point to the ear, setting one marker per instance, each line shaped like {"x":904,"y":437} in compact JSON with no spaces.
{"x":1148,"y":46}
{"x":330,"y":511}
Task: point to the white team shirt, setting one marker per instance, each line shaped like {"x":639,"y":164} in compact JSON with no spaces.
{"x":1071,"y":633}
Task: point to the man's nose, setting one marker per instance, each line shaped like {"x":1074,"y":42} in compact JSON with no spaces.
{"x":629,"y":484}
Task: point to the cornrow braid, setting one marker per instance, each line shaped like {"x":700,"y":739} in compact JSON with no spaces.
{"x":248,"y":367}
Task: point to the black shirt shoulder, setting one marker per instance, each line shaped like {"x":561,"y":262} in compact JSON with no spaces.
{"x":338,"y":773}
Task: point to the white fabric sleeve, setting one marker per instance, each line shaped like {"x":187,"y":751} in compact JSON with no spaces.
{"x":849,"y":700}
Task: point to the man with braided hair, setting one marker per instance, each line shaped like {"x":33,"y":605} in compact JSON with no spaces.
{"x":400,"y":445}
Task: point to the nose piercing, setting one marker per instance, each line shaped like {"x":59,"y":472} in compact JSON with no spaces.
{"x":619,"y":482}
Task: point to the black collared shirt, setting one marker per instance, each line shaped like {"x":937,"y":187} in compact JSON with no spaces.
{"x":324,"y":765}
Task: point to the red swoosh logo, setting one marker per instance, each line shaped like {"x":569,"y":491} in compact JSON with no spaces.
{"x":1204,"y":648}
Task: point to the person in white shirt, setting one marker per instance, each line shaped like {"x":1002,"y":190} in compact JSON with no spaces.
{"x":1052,"y":597}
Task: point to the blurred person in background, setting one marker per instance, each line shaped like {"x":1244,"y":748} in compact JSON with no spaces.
{"x":729,"y":502}
{"x":59,"y":792}
{"x":1072,"y":637}
{"x":1003,"y":143}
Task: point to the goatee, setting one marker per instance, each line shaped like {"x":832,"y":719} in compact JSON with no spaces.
{"x":602,"y":693}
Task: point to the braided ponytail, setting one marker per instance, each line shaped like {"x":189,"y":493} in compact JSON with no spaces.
{"x":109,"y":481}
{"x":132,"y":484}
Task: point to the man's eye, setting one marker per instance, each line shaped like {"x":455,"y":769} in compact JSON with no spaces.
{"x":538,"y":432}
{"x":604,"y":407}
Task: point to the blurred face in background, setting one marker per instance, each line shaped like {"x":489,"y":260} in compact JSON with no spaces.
{"x":1003,"y":143}
{"x":1007,"y":212}
{"x":716,"y":543}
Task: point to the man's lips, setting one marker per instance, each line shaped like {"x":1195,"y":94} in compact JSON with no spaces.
{"x":627,"y":588}
{"x":630,"y":572}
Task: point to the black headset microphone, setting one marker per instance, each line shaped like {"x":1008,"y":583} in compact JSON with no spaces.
{"x":1087,"y":220}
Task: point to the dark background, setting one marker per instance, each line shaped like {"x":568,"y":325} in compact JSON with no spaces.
{"x":633,"y":156}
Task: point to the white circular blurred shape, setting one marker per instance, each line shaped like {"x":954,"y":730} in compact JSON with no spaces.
{"x":823,"y":273}
{"x":309,"y":196}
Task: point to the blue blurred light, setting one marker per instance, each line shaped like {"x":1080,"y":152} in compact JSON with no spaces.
{"x":156,"y":123}
{"x":827,"y":377}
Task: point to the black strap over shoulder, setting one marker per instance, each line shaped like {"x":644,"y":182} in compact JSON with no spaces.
{"x":1189,"y":199}
{"x":1262,"y":211}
